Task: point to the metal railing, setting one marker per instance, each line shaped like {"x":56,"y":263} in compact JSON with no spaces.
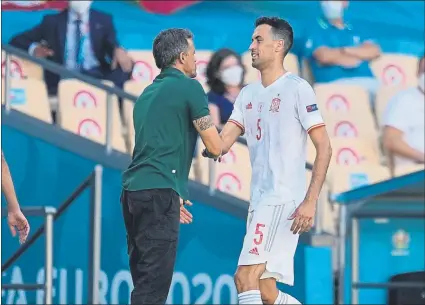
{"x":48,"y":213}
{"x":94,"y":182}
{"x":355,"y":283}
{"x":353,"y":225}
{"x":64,"y":72}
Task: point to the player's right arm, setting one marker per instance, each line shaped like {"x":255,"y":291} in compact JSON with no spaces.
{"x":235,"y":127}
{"x":202,"y":120}
{"x":230,"y":133}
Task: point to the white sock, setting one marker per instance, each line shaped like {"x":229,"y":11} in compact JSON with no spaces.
{"x":284,"y":298}
{"x":250,"y":297}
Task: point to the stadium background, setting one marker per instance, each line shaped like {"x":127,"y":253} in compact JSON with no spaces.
{"x":48,"y":163}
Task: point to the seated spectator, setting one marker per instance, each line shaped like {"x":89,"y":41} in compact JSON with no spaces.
{"x":225,"y":75}
{"x":337,"y":54}
{"x":80,"y":38}
{"x":404,"y":126}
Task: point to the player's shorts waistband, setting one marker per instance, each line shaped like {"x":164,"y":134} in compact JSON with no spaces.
{"x":269,"y":202}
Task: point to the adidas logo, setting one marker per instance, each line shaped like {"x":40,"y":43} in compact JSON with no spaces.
{"x":249,"y":106}
{"x":254,"y":251}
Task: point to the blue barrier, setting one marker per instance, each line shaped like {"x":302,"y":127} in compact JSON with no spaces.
{"x":47,"y":164}
{"x":389,"y":228}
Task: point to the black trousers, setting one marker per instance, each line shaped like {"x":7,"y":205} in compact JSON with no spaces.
{"x":152,"y":221}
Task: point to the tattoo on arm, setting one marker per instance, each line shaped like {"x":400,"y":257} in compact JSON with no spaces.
{"x":204,"y":123}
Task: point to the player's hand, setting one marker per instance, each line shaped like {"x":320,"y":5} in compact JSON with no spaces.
{"x":17,"y":221}
{"x":303,"y":217}
{"x":185,"y":216}
{"x":206,"y":154}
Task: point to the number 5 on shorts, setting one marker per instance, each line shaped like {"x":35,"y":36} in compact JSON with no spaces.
{"x":259,"y":233}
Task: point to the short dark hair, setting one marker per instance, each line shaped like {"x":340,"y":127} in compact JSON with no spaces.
{"x":213,"y":79}
{"x":281,"y":29}
{"x":168,"y":45}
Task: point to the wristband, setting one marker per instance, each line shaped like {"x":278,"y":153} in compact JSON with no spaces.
{"x":207,"y":154}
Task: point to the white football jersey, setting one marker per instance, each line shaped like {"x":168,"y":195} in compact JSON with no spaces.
{"x":276,"y":121}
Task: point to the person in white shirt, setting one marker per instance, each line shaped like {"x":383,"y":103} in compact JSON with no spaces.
{"x":403,"y":124}
{"x":276,"y":114}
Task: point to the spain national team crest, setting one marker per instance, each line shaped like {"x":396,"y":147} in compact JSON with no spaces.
{"x":274,"y":107}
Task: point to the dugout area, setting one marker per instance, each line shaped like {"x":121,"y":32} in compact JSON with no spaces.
{"x":380,"y":252}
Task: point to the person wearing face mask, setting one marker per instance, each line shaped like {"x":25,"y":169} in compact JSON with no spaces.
{"x":225,"y":75}
{"x":81,"y":39}
{"x":404,"y":126}
{"x":337,"y":54}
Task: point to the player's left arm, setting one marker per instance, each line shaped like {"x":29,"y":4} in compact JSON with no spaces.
{"x":311,"y":120}
{"x":321,"y":142}
{"x":234,"y":127}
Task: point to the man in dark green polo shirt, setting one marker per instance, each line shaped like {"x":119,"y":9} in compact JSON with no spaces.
{"x":167,"y":119}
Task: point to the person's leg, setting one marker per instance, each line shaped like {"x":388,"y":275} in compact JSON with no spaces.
{"x":255,"y":252}
{"x":280,"y":264}
{"x":52,"y":81}
{"x":153,"y":243}
{"x":247,"y":281}
{"x":128,"y":221}
{"x":271,"y":295}
{"x":269,"y":291}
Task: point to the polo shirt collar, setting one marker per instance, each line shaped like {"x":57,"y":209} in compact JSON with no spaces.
{"x":172,"y":70}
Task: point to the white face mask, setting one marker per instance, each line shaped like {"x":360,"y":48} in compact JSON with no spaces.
{"x":332,"y":9}
{"x":79,"y":7}
{"x":232,"y":76}
{"x":421,"y":81}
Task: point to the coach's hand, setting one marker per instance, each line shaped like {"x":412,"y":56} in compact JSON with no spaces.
{"x":185,"y":216}
{"x":303,"y":217}
{"x":206,"y":154}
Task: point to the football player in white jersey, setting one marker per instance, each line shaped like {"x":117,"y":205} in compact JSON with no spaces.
{"x":276,"y":114}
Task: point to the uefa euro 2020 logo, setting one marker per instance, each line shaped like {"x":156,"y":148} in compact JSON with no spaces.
{"x":400,"y":241}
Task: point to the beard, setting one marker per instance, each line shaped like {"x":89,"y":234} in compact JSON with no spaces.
{"x":255,"y":64}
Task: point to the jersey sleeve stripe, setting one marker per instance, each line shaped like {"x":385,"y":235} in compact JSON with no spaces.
{"x":315,"y":126}
{"x":237,"y":124}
